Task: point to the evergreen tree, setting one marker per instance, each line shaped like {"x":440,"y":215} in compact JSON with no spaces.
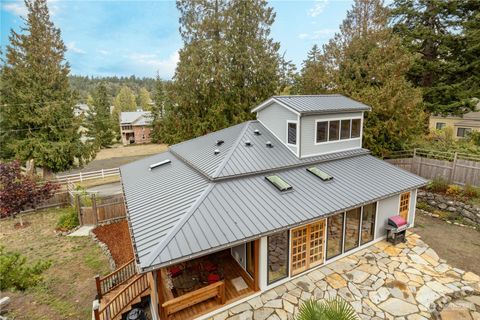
{"x":99,"y":122}
{"x":311,"y":76}
{"x":367,"y":62}
{"x":36,"y":116}
{"x":229,"y":63}
{"x":432,"y":31}
{"x":144,"y":99}
{"x":158,"y":108}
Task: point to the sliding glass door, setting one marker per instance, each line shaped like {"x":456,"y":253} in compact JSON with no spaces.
{"x":352,"y":227}
{"x":368,"y":222}
{"x":334,"y":235}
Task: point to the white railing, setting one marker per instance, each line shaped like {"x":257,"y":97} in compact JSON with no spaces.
{"x":90,"y":175}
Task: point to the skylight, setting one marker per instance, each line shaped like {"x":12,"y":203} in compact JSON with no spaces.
{"x":319,"y":173}
{"x":279,"y":183}
{"x":158,"y":164}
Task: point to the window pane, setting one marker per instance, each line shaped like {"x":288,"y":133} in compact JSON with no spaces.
{"x":277,"y":256}
{"x":368,"y":222}
{"x":345,"y":132}
{"x":352,"y":226}
{"x":322,"y":132}
{"x":356,"y":128}
{"x":334,"y":130}
{"x":440,"y":125}
{"x":334,"y":235}
{"x":292,"y":133}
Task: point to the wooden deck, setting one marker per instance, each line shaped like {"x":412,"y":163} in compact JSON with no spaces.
{"x":231,"y":271}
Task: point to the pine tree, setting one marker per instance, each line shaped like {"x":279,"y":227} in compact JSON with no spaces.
{"x":367,"y":62}
{"x":432,"y":31}
{"x":229,"y":63}
{"x":311,"y":76}
{"x":36,"y":116}
{"x":144,"y":100}
{"x":99,"y":122}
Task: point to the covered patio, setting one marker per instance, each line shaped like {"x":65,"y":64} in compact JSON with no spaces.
{"x":189,"y":289}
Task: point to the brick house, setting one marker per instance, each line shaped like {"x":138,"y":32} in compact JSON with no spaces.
{"x":136,"y":127}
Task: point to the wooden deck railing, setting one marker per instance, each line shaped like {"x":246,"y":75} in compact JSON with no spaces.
{"x":114,"y":308}
{"x":111,"y":281}
{"x":215,"y":290}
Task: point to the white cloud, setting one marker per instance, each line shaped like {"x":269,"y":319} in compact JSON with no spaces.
{"x":321,"y":34}
{"x":71,"y":46}
{"x":165,"y":67}
{"x":317,"y":8}
{"x":104,"y":52}
{"x":16,"y":8}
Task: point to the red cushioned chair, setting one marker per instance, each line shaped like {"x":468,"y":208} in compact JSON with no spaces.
{"x":212,"y":278}
{"x":175,"y":271}
{"x":209,"y":266}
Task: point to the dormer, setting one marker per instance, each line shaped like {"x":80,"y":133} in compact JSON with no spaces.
{"x":314,"y":124}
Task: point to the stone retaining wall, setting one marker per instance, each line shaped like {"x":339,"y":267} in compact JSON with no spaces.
{"x":469,"y":213}
{"x":105,"y":250}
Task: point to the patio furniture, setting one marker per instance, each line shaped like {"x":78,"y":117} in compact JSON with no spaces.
{"x":175,"y":271}
{"x":396,"y":229}
{"x":213,"y":277}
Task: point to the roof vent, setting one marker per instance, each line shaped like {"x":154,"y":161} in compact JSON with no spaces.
{"x":248,"y":143}
{"x":269,"y":144}
{"x":219,"y":142}
{"x":216,"y":151}
{"x":256,"y":132}
{"x":158,"y":164}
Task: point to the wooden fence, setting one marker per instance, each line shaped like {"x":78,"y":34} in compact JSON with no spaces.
{"x":83,"y":176}
{"x":59,"y":199}
{"x":111,"y":281}
{"x":454,"y":167}
{"x":93,"y":210}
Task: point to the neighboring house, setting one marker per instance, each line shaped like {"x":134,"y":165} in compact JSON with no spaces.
{"x":247,"y":208}
{"x":136,"y":127}
{"x":461,"y":125}
{"x":80,"y":109}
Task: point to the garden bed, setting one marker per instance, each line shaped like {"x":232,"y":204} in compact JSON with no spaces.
{"x":117,"y":238}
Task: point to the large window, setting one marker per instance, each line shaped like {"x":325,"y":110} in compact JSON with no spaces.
{"x":463,"y":132}
{"x":334,"y":235}
{"x":292,"y":133}
{"x":277,"y":256}
{"x":352,"y":226}
{"x":334,"y":130}
{"x":368,"y":222}
{"x":322,"y":131}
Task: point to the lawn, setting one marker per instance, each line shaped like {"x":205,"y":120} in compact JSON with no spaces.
{"x":68,"y":288}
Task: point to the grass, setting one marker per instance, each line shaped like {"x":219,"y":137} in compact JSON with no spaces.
{"x":68,"y":288}
{"x":130,"y":150}
{"x":98,"y":182}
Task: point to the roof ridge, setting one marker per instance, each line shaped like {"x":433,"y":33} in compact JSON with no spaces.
{"x":232,"y":149}
{"x":166,"y":240}
{"x":310,"y":95}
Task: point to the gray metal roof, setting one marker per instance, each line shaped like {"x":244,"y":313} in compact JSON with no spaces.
{"x":324,"y":103}
{"x":236,"y":158}
{"x":139,"y":118}
{"x":158,"y":199}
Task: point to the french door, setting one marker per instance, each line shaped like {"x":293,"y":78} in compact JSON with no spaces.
{"x":404,"y":205}
{"x":307,"y":246}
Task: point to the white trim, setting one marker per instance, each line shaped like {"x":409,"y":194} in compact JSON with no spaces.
{"x":299,"y":134}
{"x":270,"y":101}
{"x":323,"y":153}
{"x":414,"y":213}
{"x":277,"y":137}
{"x":296,"y":134}
{"x":376,"y":221}
{"x":339,"y":130}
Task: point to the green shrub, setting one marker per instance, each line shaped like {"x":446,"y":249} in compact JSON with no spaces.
{"x":438,"y":185}
{"x":68,"y":220}
{"x":14,"y":274}
{"x":471,"y":191}
{"x":454,"y":190}
{"x":423,"y":205}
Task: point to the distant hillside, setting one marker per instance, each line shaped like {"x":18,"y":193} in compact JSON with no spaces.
{"x":85,"y":85}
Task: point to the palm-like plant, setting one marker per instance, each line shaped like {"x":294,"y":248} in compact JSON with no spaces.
{"x":332,"y":309}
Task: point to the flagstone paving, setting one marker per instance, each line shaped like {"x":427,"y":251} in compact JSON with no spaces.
{"x":407,"y":281}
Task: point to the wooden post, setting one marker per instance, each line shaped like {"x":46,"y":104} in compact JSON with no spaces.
{"x":80,"y":175}
{"x":160,"y":295}
{"x":94,"y":208}
{"x":414,"y":162}
{"x":96,"y":306}
{"x":454,"y":166}
{"x":221,"y":293}
{"x":99,"y":287}
{"x":103,"y":175}
{"x":79,"y":210}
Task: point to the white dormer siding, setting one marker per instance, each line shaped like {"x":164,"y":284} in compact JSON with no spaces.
{"x":276,"y":118}
{"x":311,"y":146}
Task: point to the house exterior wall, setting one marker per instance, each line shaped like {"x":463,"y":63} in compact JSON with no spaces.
{"x":309,"y":147}
{"x":450,"y":122}
{"x":141,"y":134}
{"x":275,"y":118}
{"x":239,"y":254}
{"x":386,"y":208}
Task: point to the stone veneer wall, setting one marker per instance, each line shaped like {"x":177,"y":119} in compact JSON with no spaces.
{"x":469,"y":213}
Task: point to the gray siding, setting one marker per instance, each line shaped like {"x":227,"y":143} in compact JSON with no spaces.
{"x":275,"y":117}
{"x":307,"y":138}
{"x":386,"y":208}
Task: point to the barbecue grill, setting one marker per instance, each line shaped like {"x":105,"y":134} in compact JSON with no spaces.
{"x":396,"y":229}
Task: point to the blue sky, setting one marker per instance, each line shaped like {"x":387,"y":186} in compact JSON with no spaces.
{"x":140,"y":37}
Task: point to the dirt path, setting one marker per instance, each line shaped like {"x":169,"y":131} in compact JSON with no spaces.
{"x":460,"y":246}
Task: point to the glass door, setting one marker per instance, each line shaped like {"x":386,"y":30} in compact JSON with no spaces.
{"x":250,"y":258}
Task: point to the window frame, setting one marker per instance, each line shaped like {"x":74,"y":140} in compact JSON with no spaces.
{"x":288,"y":258}
{"x":442,"y":125}
{"x":296,"y":133}
{"x":339,"y":130}
{"x":327,"y":258}
{"x":327,"y":131}
{"x":465,"y":132}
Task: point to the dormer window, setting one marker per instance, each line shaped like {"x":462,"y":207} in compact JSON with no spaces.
{"x":337,"y":130}
{"x":292,"y":133}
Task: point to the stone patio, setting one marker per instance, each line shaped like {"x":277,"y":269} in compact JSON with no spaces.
{"x":381,"y":282}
